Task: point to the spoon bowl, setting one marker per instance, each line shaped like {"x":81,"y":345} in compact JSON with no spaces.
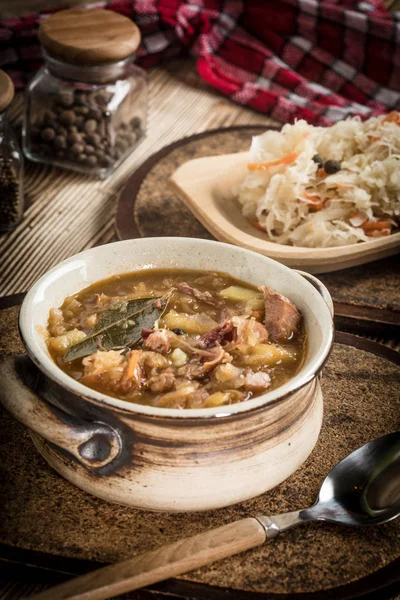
{"x":364,"y":488}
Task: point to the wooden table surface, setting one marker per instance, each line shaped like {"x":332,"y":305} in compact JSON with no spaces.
{"x":67,"y":213}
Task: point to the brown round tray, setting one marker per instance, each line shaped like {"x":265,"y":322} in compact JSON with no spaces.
{"x":51,"y":530}
{"x":366,"y":298}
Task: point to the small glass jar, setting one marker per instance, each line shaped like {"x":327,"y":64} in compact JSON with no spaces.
{"x":11,"y":163}
{"x":81,"y":114}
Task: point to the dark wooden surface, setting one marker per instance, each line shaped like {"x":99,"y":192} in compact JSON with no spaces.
{"x":34,"y":568}
{"x":36,"y":556}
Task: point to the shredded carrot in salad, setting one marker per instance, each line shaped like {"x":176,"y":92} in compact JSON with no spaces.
{"x":258,"y":225}
{"x":378,"y":232}
{"x":313,"y":198}
{"x":378,"y":225}
{"x":393,"y":117}
{"x":315,"y":202}
{"x":372,"y":227}
{"x":342,"y":186}
{"x":285,"y":160}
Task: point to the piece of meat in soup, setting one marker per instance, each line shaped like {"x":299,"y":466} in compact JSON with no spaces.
{"x":281,"y":316}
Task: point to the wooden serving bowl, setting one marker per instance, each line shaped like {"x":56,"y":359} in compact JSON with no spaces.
{"x":157,"y":458}
{"x":207,"y":187}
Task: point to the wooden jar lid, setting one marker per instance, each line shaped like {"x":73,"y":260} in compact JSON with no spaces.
{"x":6,"y":90}
{"x":88,"y":37}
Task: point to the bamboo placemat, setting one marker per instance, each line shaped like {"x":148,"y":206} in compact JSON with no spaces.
{"x":67,"y":212}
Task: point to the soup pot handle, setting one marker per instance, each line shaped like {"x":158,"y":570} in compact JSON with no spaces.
{"x":94,"y":445}
{"x":319,"y":286}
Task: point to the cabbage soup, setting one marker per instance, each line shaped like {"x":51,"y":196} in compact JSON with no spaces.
{"x":177,"y":338}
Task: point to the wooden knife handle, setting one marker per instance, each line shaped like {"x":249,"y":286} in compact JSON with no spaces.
{"x":162,"y":563}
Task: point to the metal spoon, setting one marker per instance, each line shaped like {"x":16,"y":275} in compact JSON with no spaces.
{"x":363,"y":489}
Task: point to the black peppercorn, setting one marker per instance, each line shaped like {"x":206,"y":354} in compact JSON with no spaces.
{"x":103,"y":98}
{"x":81,"y":99}
{"x":90,"y":126}
{"x":74,"y":138}
{"x":10,"y":198}
{"x":78,"y":148}
{"x":48,"y":134}
{"x":79,"y":122}
{"x":317,"y":158}
{"x":132,"y":138}
{"x":67,"y":117}
{"x":122,"y":145}
{"x":107,"y":161}
{"x":178,"y":331}
{"x":332,"y":166}
{"x":52,"y":123}
{"x":60,"y":142}
{"x":66,"y":98}
{"x":95,"y":114}
{"x":135,"y":123}
{"x":81,"y":110}
{"x":77,"y":127}
{"x":47,"y":116}
{"x":94,"y":139}
{"x":91,"y":160}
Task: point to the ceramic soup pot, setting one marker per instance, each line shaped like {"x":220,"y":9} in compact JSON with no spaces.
{"x":158,"y":458}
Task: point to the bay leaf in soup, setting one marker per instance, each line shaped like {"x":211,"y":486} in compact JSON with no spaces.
{"x":120,"y":326}
{"x":120,"y":312}
{"x":84,"y":348}
{"x":120,"y":337}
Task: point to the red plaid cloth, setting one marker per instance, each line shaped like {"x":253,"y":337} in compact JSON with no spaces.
{"x":319,"y":61}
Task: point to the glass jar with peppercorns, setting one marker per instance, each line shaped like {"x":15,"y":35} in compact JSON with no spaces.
{"x":11,"y":163}
{"x":86,"y":108}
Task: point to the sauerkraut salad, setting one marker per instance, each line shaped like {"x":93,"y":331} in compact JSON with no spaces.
{"x":325,"y":186}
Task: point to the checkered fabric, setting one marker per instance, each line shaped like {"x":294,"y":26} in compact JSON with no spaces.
{"x":319,"y":61}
